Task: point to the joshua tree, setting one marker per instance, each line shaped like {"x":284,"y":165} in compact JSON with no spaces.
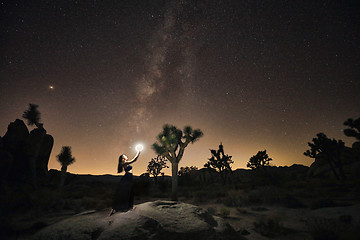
{"x":171,"y":144}
{"x":261,"y":159}
{"x":220,"y":162}
{"x":156,"y":165}
{"x":353,"y":131}
{"x":32,"y":115}
{"x":330,"y":150}
{"x":65,"y":158}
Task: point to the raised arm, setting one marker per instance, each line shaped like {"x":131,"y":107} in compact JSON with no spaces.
{"x":134,"y":159}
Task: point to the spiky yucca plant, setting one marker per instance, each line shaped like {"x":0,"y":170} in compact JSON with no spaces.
{"x":65,"y":158}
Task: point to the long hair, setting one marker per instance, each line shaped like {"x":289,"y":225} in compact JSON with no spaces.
{"x":120,"y":164}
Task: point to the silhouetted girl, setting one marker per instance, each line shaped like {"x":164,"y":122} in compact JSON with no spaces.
{"x":124,"y":195}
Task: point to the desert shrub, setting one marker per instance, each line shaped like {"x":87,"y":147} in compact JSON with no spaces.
{"x":141,"y":187}
{"x":331,"y":229}
{"x":273,"y":196}
{"x":186,"y":193}
{"x":211,"y":210}
{"x":323,"y":203}
{"x":290,"y":201}
{"x":264,"y":195}
{"x":220,"y":193}
{"x":47,"y":200}
{"x":269,"y":227}
{"x":241,"y":210}
{"x":259,"y":209}
{"x":201,"y":196}
{"x":88,"y":202}
{"x":163,"y":185}
{"x":160,"y":195}
{"x":224,"y":212}
{"x":233,"y":201}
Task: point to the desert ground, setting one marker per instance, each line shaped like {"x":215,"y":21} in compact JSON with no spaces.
{"x":292,"y":207}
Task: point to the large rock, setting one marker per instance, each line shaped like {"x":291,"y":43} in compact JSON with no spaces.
{"x":15,"y":137}
{"x":14,"y":142}
{"x":320,"y":167}
{"x":22,"y":146}
{"x":153,"y":220}
{"x":47,"y":143}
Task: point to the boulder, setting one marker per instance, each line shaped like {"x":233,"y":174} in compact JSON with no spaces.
{"x":15,"y":137}
{"x":152,"y":220}
{"x":14,"y":142}
{"x":320,"y":167}
{"x":47,"y":143}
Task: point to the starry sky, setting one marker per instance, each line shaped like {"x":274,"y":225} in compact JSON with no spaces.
{"x":251,"y":74}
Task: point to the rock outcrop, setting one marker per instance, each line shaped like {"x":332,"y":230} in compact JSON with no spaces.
{"x":47,"y":143}
{"x":14,"y":142}
{"x":152,"y":220}
{"x":18,"y":147}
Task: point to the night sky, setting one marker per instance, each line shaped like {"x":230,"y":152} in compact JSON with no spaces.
{"x":253,"y":75}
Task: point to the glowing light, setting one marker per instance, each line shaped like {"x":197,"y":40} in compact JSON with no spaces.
{"x":51,"y":87}
{"x":139,"y":147}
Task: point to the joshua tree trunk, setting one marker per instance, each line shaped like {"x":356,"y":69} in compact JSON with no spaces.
{"x":156,"y":180}
{"x":333,"y":169}
{"x":174,"y":180}
{"x":62,"y":177}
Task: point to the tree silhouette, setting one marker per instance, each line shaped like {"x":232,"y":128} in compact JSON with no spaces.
{"x":330,"y":150}
{"x":65,"y":158}
{"x":220,"y":162}
{"x":32,"y":115}
{"x":171,"y":143}
{"x":185,"y":170}
{"x":261,"y":159}
{"x":353,"y":131}
{"x":156,"y":165}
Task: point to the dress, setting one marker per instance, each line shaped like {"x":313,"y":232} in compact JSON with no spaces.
{"x":124,"y":194}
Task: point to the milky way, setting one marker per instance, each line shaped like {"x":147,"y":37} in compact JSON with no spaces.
{"x":169,"y":64}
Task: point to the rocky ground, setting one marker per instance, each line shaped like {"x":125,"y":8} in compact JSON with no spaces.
{"x":248,"y":208}
{"x":274,"y":222}
{"x":162,"y":219}
{"x":152,"y":220}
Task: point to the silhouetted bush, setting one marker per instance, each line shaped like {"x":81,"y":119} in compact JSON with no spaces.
{"x":141,"y":187}
{"x":322,"y":203}
{"x":331,"y":229}
{"x":270,"y":227}
{"x":211,"y":210}
{"x":164,"y":185}
{"x":224,"y":212}
{"x":234,"y":201}
{"x":273,"y":196}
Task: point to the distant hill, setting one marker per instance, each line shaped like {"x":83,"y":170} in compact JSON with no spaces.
{"x":89,"y":177}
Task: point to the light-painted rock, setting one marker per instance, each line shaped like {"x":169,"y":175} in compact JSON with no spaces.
{"x":152,"y":220}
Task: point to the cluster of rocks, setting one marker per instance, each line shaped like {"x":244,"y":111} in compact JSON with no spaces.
{"x":152,"y":220}
{"x":17,"y":150}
